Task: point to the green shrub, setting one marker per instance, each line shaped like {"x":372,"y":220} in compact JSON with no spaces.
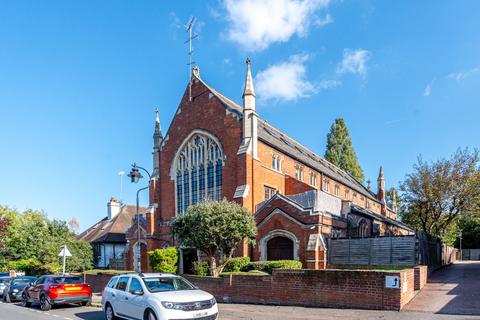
{"x":164,"y":260}
{"x":200,"y":268}
{"x":237,"y":264}
{"x":282,"y":264}
{"x":33,"y":267}
{"x":269,"y":266}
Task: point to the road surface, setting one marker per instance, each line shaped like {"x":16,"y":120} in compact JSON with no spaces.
{"x":229,"y":312}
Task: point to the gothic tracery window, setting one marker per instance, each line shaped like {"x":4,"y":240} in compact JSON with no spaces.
{"x":198,"y":168}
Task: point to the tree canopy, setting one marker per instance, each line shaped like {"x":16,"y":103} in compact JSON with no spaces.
{"x":436,"y":194}
{"x":32,"y":242}
{"x":216,"y":228}
{"x":340,"y":150}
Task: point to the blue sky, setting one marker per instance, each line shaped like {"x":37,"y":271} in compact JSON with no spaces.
{"x":79,"y":82}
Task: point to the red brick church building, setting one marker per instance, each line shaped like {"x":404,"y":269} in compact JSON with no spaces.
{"x":216,"y":148}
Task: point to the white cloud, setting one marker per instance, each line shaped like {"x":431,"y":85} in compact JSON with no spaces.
{"x":428,"y":89}
{"x":354,"y":61}
{"x":459,"y":76}
{"x":287,"y":81}
{"x":255,"y":24}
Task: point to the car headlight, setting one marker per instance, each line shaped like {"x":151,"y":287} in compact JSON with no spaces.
{"x":172,"y":305}
{"x":213,"y":301}
{"x":15,"y":290}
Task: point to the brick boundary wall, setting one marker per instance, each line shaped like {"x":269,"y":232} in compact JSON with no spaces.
{"x":361,"y":289}
{"x":420,"y":278}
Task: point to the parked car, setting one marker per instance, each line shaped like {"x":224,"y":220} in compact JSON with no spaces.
{"x":14,"y":288}
{"x":52,"y":290}
{"x":156,"y":296}
{"x":3,"y":281}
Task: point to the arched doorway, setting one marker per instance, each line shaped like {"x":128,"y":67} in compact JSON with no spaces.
{"x":280,"y":248}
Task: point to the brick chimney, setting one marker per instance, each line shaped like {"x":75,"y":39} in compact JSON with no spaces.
{"x":113,"y":208}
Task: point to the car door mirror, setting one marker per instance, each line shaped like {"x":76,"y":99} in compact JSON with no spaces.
{"x":137,"y":292}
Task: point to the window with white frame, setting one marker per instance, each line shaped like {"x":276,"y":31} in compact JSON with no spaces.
{"x":313,"y":179}
{"x":269,"y":192}
{"x":198,"y":169}
{"x":337,"y":190}
{"x":276,"y":162}
{"x":347,"y":194}
{"x":299,"y":173}
{"x":326,"y":184}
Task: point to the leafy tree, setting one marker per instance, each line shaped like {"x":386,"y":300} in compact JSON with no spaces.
{"x":164,"y":260}
{"x":340,"y":151}
{"x":216,"y":228}
{"x":32,"y":243}
{"x":437,"y":194}
{"x":470,"y":227}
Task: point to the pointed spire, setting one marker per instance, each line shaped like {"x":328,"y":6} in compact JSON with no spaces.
{"x":380,"y":174}
{"x":158,"y":128}
{"x":394,"y":200}
{"x":248,"y":90}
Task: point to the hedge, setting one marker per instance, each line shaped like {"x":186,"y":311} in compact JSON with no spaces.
{"x":269,"y":266}
{"x":237,"y":264}
{"x":200,"y":268}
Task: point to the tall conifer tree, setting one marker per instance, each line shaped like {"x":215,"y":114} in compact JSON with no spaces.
{"x":340,"y":151}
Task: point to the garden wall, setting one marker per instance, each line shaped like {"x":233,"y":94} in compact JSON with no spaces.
{"x":364,"y":289}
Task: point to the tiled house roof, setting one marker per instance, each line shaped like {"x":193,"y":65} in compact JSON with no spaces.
{"x":111,"y":231}
{"x":282,"y":142}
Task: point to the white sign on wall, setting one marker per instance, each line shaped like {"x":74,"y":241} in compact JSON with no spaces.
{"x":392,"y":282}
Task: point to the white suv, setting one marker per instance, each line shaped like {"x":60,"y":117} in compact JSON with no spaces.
{"x":156,"y":296}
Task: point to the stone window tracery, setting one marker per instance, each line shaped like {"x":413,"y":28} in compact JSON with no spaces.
{"x":198,"y":169}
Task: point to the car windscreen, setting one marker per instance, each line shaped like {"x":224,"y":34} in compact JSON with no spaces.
{"x":22,"y":281}
{"x":161,"y":284}
{"x":67,"y":280}
{"x":4,"y":280}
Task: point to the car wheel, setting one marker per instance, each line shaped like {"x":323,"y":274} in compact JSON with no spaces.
{"x":109,"y":314}
{"x":150,"y":315}
{"x":86,"y":303}
{"x":25,"y":302}
{"x":44,"y":304}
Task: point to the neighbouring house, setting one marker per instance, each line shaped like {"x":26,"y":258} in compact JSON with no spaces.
{"x":216,"y":148}
{"x":107,"y":236}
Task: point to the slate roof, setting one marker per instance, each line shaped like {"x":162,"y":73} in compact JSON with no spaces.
{"x":369,"y":213}
{"x":282,"y":142}
{"x":111,"y":231}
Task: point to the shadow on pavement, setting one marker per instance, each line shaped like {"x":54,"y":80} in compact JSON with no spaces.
{"x":95,"y":314}
{"x":466,"y":293}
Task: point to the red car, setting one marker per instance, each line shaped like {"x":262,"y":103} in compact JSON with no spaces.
{"x":52,"y":290}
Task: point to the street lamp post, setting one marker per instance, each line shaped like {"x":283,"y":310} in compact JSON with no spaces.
{"x":460,"y":235}
{"x":135,"y":177}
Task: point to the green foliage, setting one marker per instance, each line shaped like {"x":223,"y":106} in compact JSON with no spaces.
{"x":200,"y":268}
{"x":340,"y":150}
{"x":437,"y":194}
{"x":216,"y":228}
{"x":164,"y":260}
{"x":269,"y":266}
{"x":33,"y":242}
{"x":470,"y":227}
{"x":237,"y":264}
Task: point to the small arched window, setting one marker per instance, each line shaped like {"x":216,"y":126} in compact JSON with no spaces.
{"x":363,"y":229}
{"x":198,"y":169}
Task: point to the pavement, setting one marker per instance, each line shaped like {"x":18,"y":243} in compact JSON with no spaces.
{"x":453,"y":290}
